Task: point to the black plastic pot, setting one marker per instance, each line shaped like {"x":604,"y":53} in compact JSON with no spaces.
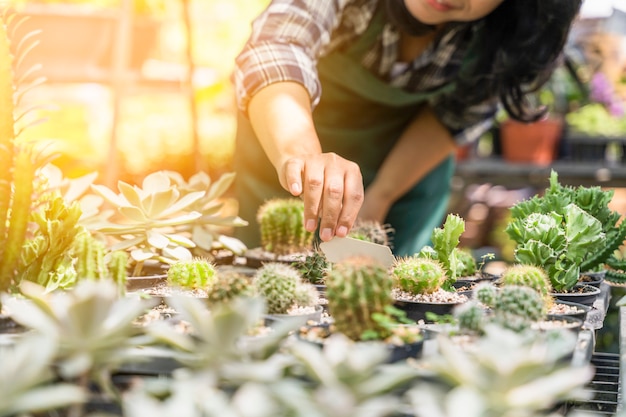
{"x":581,"y":294}
{"x":416,"y":310}
{"x":592,"y":278}
{"x":580,"y":314}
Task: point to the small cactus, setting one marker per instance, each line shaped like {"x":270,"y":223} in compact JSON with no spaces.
{"x":281,"y":221}
{"x":228,"y":286}
{"x":418,"y":275}
{"x":118,"y":268}
{"x":527,"y":276}
{"x":313,"y":268}
{"x":358,"y":288}
{"x":470,"y":316}
{"x":278,"y":283}
{"x":371,"y":231}
{"x":517,"y":307}
{"x":486,"y":293}
{"x":197,"y":273}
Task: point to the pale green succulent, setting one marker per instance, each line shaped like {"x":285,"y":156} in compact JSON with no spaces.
{"x":207,"y":232}
{"x":504,"y":374}
{"x":91,"y":325}
{"x":26,"y":378}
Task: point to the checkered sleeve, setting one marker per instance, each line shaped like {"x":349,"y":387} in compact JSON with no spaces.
{"x":467,"y":126}
{"x":285,"y":42}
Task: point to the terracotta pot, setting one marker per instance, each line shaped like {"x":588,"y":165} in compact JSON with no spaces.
{"x":535,"y":143}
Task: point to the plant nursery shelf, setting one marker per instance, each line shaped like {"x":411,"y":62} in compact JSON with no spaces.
{"x":498,"y":171}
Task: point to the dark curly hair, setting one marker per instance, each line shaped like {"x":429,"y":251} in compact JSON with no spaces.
{"x":516,"y":48}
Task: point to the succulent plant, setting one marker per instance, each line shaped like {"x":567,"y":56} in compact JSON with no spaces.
{"x":371,"y":231}
{"x":358,"y":288}
{"x":196,"y":273}
{"x":418,"y":275}
{"x":313,"y":267}
{"x":445,"y":241}
{"x":282,"y":287}
{"x":281,"y":221}
{"x":466,"y":264}
{"x":36,"y":226}
{"x":217,"y":213}
{"x":527,"y":275}
{"x":517,"y":307}
{"x":229,"y":285}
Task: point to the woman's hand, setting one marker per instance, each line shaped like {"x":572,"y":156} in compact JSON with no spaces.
{"x":332,"y":189}
{"x":331,"y":186}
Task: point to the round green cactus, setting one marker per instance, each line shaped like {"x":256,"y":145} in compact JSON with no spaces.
{"x":527,"y":276}
{"x":486,"y":293}
{"x":357,"y":288}
{"x":470,"y":316}
{"x":418,"y":275}
{"x":281,"y":222}
{"x":197,"y":273}
{"x":466,"y":264}
{"x":517,"y":307}
{"x":313,"y":268}
{"x":278,"y":284}
{"x":229,"y":285}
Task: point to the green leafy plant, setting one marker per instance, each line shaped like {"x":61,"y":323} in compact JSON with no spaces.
{"x":196,"y":273}
{"x":445,"y":241}
{"x":586,"y":253}
{"x":557,"y":243}
{"x":281,"y":222}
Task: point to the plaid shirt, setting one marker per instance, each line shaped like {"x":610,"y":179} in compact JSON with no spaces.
{"x":289,"y":36}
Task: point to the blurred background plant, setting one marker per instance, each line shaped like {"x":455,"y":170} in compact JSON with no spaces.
{"x":154,"y":123}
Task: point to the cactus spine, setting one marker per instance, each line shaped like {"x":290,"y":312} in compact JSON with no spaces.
{"x":197,"y":273}
{"x":313,"y":268}
{"x":356,"y":289}
{"x":418,"y":275}
{"x":282,"y":226}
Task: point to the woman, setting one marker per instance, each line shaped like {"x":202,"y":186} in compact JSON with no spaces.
{"x":358,"y":106}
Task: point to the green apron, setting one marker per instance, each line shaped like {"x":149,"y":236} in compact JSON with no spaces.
{"x":359,"y":117}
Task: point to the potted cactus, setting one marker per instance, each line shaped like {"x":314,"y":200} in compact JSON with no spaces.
{"x":419,"y":288}
{"x":361,"y":306}
{"x":283,"y":236}
{"x":286,"y":295}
